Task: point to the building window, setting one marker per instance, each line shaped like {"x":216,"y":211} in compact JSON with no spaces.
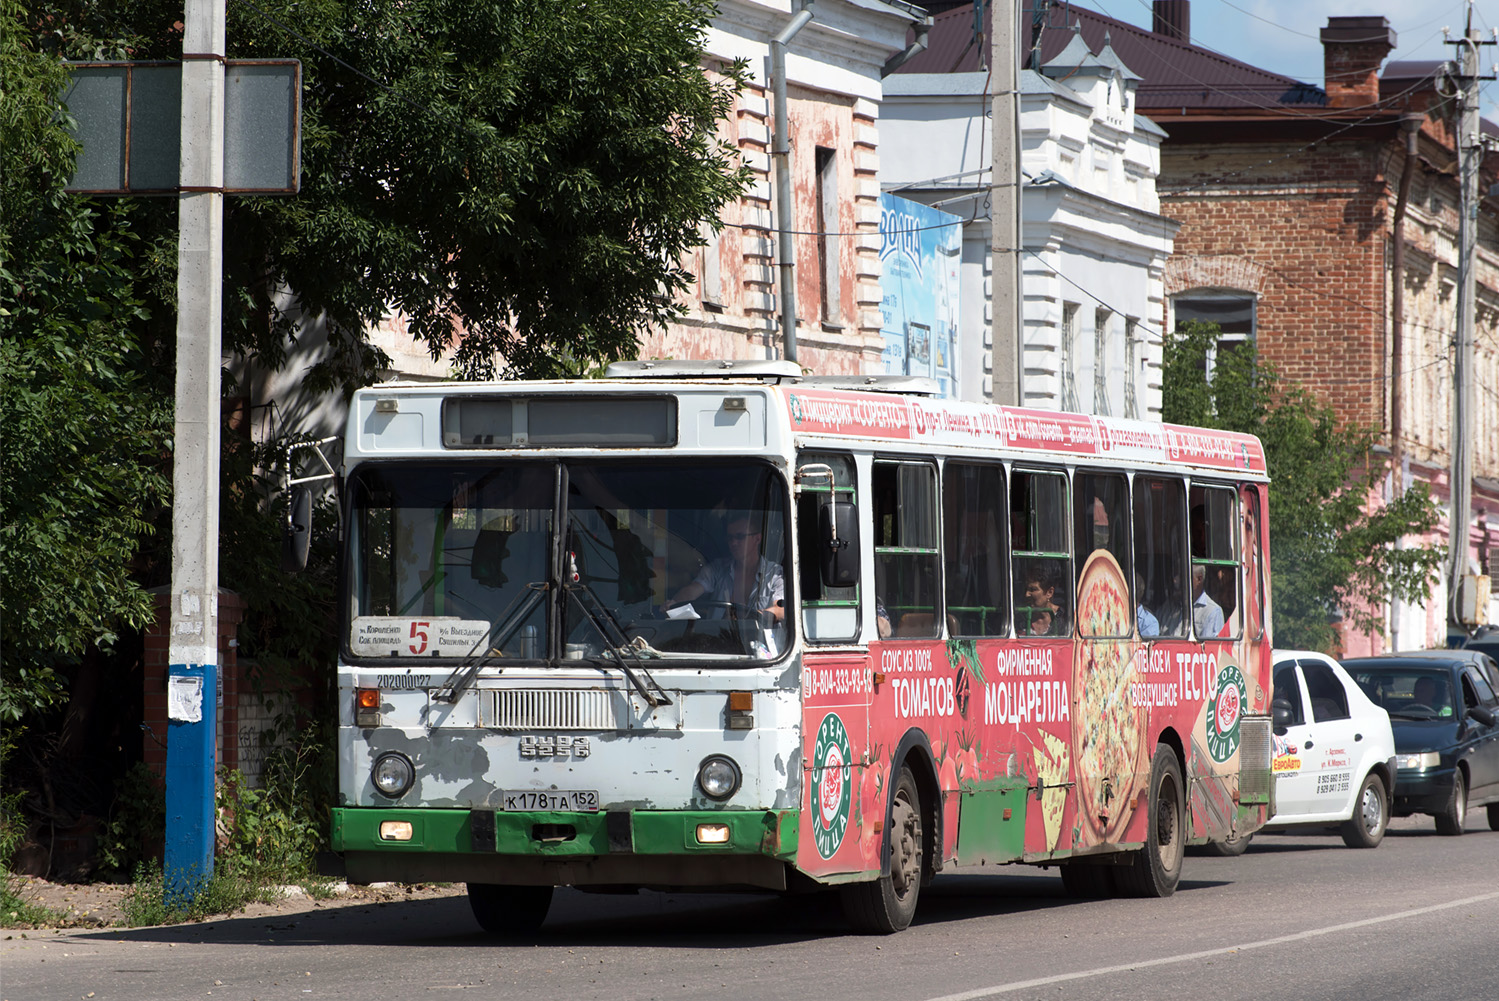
{"x":1233,"y":312}
{"x":1101,"y":361}
{"x":1066,"y":368}
{"x":712,"y":289}
{"x":1131,"y":364}
{"x":827,"y":231}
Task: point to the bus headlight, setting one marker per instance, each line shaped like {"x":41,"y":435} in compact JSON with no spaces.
{"x":393,"y":774}
{"x":718,"y":776}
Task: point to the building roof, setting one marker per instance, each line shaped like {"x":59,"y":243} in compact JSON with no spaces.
{"x":1174,"y":74}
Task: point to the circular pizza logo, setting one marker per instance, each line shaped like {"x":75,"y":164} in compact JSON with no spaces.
{"x":796,"y":407}
{"x":1224,"y":712}
{"x":830,"y":785}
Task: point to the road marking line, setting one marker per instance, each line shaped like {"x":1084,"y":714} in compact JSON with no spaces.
{"x":1188,"y":957}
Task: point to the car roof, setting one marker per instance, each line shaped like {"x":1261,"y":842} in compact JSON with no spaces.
{"x":1395,"y":661}
{"x":1277,"y":656}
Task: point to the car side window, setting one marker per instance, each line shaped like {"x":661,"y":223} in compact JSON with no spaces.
{"x":1288,"y":691}
{"x":1481,"y":689}
{"x":1328,"y":697}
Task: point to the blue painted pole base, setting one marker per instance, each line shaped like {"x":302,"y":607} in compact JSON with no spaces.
{"x":191,"y":747}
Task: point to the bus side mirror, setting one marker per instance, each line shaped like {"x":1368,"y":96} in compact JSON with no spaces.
{"x":297,"y":540}
{"x":838,"y":535}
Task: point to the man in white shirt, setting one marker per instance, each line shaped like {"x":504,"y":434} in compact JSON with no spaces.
{"x":1207,"y":614}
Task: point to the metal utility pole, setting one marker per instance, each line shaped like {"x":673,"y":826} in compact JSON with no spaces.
{"x":1470,"y":158}
{"x":192,"y":646}
{"x":1004,"y":249}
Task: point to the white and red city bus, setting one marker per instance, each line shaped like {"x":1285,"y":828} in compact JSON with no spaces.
{"x":726,"y":626}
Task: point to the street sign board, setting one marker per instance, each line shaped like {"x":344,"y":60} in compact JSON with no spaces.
{"x":129,"y":122}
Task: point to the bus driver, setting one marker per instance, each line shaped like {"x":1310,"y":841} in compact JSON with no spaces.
{"x":743,"y":579}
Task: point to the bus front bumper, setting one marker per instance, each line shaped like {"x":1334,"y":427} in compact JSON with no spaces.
{"x":640,"y":847}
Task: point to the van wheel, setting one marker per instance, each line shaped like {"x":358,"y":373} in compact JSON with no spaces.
{"x":509,"y":910}
{"x":1371,"y":812}
{"x":1450,"y":821}
{"x":888,"y":903}
{"x":1158,"y":864}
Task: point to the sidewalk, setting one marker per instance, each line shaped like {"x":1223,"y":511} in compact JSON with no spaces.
{"x":100,"y":905}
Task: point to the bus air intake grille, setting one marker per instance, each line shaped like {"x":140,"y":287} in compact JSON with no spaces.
{"x":1254,"y":760}
{"x":549,"y":709}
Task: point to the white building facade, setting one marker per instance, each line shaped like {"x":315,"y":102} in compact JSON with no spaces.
{"x":1095,"y":242}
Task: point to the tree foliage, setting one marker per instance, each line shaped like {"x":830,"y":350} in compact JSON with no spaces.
{"x":520,"y":180}
{"x":1334,"y":548}
{"x":84,"y":438}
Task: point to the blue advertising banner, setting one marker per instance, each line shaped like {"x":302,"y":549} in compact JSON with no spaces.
{"x":920,"y":249}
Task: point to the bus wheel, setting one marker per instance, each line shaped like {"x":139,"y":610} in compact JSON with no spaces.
{"x":1087,"y":882}
{"x":509,"y":910}
{"x":888,"y":903}
{"x":1158,"y":864}
{"x":1230,"y":847}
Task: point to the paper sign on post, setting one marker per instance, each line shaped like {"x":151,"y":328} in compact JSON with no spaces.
{"x":185,"y":699}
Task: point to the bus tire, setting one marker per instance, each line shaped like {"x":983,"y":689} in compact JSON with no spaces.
{"x":1230,"y":847}
{"x":509,"y":910}
{"x":888,"y":904}
{"x":1087,"y":882}
{"x":1158,"y":864}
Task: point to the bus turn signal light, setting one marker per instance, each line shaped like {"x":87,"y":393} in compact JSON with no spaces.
{"x":366,"y":707}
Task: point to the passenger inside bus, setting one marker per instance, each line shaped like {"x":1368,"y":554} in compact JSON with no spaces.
{"x":1039,"y":613}
{"x":743,"y":581}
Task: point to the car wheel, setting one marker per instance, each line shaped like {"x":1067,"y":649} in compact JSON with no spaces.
{"x":1230,"y":847}
{"x":1494,"y":816}
{"x":509,"y":910}
{"x":1158,"y":864}
{"x":1371,"y":814}
{"x":888,"y":903}
{"x":1450,"y":821}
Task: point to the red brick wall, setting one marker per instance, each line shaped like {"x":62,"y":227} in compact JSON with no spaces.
{"x":1312,"y":230}
{"x":157,"y":665}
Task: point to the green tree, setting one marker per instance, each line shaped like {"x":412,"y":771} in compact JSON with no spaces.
{"x":520,"y":180}
{"x":1332,"y":549}
{"x":84,"y":439}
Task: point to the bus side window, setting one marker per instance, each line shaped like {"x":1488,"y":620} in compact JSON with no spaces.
{"x":1042,"y":567}
{"x":829,"y":614}
{"x":905,"y":548}
{"x":1254,"y":562}
{"x":1102,"y":523}
{"x":1160,"y":555}
{"x":1215,"y":532}
{"x":973,"y":520}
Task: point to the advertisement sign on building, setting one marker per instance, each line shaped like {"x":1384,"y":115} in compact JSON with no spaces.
{"x":920,"y":248}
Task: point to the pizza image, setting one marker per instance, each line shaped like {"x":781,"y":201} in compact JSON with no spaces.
{"x":1108,"y":729}
{"x":1051,"y":777}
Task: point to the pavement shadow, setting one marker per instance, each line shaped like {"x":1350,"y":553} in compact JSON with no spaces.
{"x":647,"y":918}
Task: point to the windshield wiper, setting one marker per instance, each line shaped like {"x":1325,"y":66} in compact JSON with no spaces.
{"x":463,"y":675}
{"x":617,"y":642}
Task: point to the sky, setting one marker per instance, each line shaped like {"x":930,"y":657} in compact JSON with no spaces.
{"x":1282,"y":35}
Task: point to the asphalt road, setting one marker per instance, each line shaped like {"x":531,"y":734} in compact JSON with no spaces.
{"x":1298,"y":916}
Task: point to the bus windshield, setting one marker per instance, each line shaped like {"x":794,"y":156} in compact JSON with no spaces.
{"x":670,"y":559}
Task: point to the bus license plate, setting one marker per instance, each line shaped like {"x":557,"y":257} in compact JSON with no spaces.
{"x":577,"y":800}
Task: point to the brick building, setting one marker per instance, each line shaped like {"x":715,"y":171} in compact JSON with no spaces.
{"x":1293,"y":215}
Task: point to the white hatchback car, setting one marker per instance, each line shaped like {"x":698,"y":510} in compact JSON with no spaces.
{"x":1334,"y":753}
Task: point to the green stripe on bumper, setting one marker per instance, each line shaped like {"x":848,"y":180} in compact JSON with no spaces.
{"x":650,"y":832}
